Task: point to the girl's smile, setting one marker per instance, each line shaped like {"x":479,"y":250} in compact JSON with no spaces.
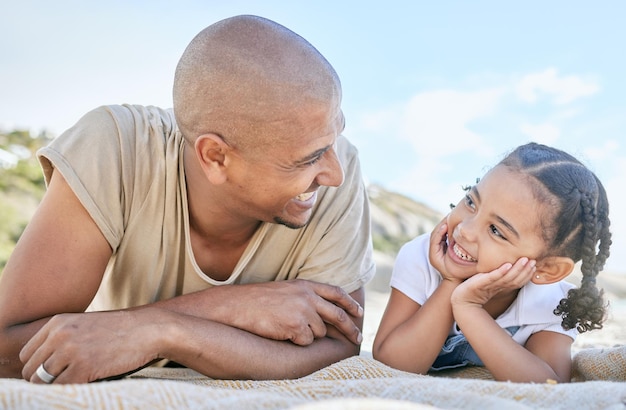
{"x":462,"y":253}
{"x":494,"y":224}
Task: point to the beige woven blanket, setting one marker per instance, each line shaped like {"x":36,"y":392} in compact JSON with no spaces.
{"x":356,"y":383}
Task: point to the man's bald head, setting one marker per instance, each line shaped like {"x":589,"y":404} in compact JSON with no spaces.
{"x":245,"y":77}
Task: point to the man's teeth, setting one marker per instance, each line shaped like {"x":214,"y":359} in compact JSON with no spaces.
{"x":305,"y":196}
{"x":462,"y":255}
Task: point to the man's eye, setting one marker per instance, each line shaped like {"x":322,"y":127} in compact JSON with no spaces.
{"x":313,"y":161}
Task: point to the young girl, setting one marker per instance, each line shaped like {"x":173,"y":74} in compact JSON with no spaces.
{"x":526,"y":223}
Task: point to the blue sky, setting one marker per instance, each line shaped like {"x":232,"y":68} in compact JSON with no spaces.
{"x":434,"y":92}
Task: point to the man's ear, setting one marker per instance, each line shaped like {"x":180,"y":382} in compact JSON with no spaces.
{"x":211,"y":152}
{"x":552,"y":269}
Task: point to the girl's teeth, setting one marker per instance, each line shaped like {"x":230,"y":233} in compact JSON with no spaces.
{"x":462,"y":255}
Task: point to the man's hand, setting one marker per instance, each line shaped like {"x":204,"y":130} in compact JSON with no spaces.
{"x":84,"y":347}
{"x":295,"y":310}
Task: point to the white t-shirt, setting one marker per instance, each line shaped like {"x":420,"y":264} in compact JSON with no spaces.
{"x":532,"y":310}
{"x":125,"y":165}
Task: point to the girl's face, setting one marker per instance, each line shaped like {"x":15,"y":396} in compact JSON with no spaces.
{"x":498,"y":221}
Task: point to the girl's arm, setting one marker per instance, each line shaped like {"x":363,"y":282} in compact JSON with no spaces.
{"x":410,"y":336}
{"x":546,"y":355}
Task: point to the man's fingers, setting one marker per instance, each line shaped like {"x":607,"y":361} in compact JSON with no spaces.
{"x":48,"y":371}
{"x":339,"y":297}
{"x":32,"y":354}
{"x":337,"y":308}
{"x":31,"y":346}
{"x":308,"y":333}
{"x":339,"y":318}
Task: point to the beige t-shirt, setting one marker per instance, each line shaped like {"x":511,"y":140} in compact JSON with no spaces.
{"x":125,"y":165}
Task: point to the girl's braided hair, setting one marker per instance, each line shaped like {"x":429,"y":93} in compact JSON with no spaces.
{"x":579,"y":228}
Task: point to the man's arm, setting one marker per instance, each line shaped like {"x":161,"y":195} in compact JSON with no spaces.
{"x":58,"y":265}
{"x":251,"y":357}
{"x":79,"y":348}
{"x":294,"y":310}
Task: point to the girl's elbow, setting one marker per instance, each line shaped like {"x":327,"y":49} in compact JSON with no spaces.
{"x":399,"y":363}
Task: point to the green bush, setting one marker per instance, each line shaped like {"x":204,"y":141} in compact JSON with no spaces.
{"x":21,"y":189}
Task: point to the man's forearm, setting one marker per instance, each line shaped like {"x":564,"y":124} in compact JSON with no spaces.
{"x":221,"y":351}
{"x":212,"y":304}
{"x":296,"y":310}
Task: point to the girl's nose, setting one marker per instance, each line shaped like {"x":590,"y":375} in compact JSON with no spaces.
{"x":465,"y":229}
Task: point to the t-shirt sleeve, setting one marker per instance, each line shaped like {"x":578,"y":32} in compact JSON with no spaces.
{"x":98,"y":159}
{"x":533,"y":311}
{"x":87,"y":155}
{"x":412,"y":274}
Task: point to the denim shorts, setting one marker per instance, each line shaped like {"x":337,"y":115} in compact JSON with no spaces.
{"x":457,"y":352}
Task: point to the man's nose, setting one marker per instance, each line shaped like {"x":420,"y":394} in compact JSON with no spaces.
{"x":331,"y":173}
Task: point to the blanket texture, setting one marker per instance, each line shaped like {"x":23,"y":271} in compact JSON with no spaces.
{"x":599,"y":382}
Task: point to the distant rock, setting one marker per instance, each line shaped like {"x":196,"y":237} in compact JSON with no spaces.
{"x":397,"y":219}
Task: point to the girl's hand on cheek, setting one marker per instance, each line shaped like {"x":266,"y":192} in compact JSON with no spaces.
{"x":482,"y":287}
{"x":439,"y":246}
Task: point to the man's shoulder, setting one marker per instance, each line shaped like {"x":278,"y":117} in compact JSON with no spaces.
{"x":131,"y":114}
{"x":141,"y":124}
{"x":345,"y":149}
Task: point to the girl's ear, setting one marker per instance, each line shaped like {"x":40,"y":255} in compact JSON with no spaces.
{"x":552,"y":269}
{"x":211,"y":152}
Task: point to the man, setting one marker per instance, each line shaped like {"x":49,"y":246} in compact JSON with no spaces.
{"x":230,"y":235}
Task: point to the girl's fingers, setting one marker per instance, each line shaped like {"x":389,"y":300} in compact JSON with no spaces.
{"x":439,"y":233}
{"x":514,"y":275}
{"x":438,"y":244}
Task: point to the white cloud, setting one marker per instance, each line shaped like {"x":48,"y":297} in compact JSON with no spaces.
{"x":379,"y":121}
{"x":562,"y":89}
{"x":603,"y":152}
{"x":436,"y":122}
{"x":543,"y":133}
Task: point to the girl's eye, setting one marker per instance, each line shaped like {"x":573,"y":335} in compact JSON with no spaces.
{"x":496,"y":231}
{"x":469,"y":202}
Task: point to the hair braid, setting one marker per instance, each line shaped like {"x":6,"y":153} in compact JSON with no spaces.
{"x":584,"y":308}
{"x":604,"y":232}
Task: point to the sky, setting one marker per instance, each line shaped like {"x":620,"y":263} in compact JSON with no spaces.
{"x":434,"y":93}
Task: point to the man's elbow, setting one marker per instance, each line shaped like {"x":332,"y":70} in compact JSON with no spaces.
{"x":10,"y":364}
